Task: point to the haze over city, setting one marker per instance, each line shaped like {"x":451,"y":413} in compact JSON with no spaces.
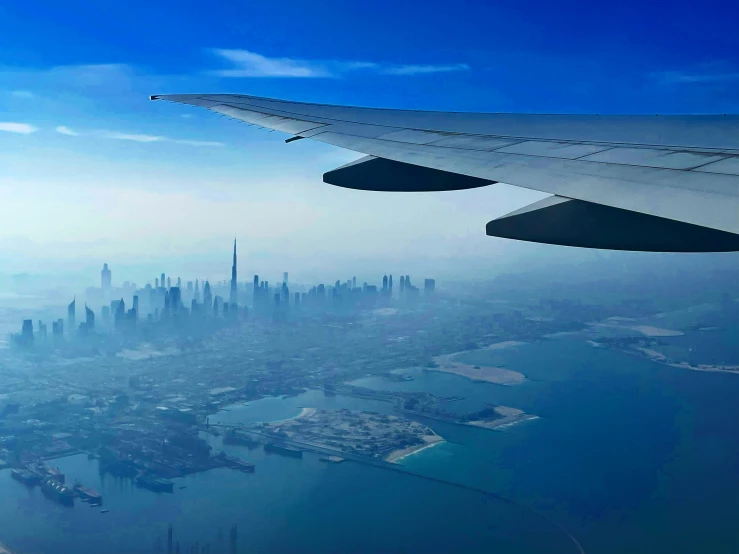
{"x":205,"y":348}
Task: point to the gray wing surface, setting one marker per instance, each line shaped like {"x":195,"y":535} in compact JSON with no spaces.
{"x":653,"y":183}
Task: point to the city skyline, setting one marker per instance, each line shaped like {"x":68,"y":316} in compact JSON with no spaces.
{"x":181,"y":299}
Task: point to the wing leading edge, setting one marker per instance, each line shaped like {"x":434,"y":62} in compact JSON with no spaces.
{"x":651,"y":183}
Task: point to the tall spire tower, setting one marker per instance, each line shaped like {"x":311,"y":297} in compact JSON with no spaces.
{"x":233,"y":300}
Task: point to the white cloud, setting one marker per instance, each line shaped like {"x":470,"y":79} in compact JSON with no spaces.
{"x":156,"y":138}
{"x":199,"y":142}
{"x":251,"y":64}
{"x":420,"y":69}
{"x":186,"y":115}
{"x":134,"y":137}
{"x":66,"y":131}
{"x":22,"y":128}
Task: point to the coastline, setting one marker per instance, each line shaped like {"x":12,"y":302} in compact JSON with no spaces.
{"x":658,"y":357}
{"x":397,"y":455}
{"x":487,"y":374}
{"x":511,"y":416}
{"x":304,"y":412}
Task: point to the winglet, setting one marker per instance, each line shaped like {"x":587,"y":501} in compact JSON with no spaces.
{"x":154,"y":97}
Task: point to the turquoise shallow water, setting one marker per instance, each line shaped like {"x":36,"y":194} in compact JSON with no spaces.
{"x":629,"y":455}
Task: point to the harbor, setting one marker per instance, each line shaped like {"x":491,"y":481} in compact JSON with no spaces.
{"x":52,"y":483}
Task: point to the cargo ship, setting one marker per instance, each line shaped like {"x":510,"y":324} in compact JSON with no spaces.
{"x":237,"y":463}
{"x":57,"y":491}
{"x":234,"y":437}
{"x":284,"y":450}
{"x":88,"y":495}
{"x":49,"y":472}
{"x":155,"y":484}
{"x":28,"y":478}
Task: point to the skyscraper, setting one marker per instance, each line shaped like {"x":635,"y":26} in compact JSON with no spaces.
{"x":233,"y":297}
{"x":196,"y":297}
{"x":27,"y":333}
{"x":207,"y":299}
{"x":105,"y":278}
{"x":89,"y":319}
{"x":136,"y":304}
{"x":169,"y":282}
{"x":384,"y":283}
{"x":120,"y":313}
{"x":285,"y":293}
{"x":429,"y":286}
{"x":402,"y":285}
{"x":175,"y":299}
{"x":161,"y":280}
{"x":284,"y":277}
{"x":71,"y":314}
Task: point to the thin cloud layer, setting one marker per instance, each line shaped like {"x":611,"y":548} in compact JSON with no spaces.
{"x":20,"y":128}
{"x":710,"y":73}
{"x":133,"y":137}
{"x":25,"y":94}
{"x":66,"y":131}
{"x":420,"y":69}
{"x":251,"y":64}
{"x":156,"y":138}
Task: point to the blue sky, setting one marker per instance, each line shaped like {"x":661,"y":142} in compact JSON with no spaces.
{"x":90,"y":170}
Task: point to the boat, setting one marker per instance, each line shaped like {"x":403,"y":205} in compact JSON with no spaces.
{"x":284,"y":450}
{"x":182,"y":487}
{"x":50,"y":472}
{"x":234,"y":437}
{"x":331,"y":459}
{"x":26,"y":477}
{"x":88,"y":495}
{"x":237,"y":463}
{"x":155,"y":484}
{"x":104,"y":511}
{"x":57,"y":491}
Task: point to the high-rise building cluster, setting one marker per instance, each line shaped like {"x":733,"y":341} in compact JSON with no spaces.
{"x":163,"y":304}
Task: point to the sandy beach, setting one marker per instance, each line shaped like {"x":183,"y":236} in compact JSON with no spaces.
{"x":505,"y":344}
{"x":497,"y":375}
{"x":305,"y":412}
{"x":429,"y":440}
{"x":656,"y":331}
{"x":662,"y":359}
{"x":511,"y":416}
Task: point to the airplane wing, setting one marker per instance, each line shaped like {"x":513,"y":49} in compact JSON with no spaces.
{"x":667,"y":183}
